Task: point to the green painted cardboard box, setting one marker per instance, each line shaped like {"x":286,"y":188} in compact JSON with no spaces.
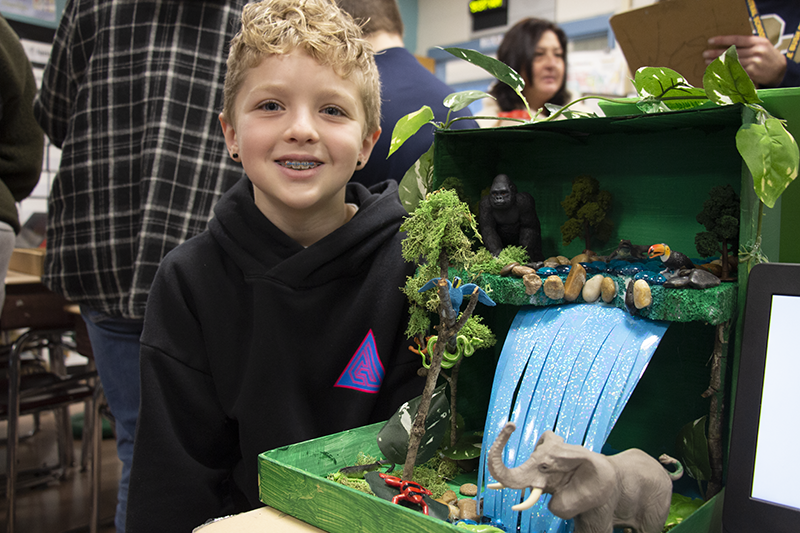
{"x":659,"y":169}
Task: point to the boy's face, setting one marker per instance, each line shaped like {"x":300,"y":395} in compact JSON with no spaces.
{"x":299,"y":131}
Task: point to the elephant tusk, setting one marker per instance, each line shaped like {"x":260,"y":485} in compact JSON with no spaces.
{"x":527,"y":504}
{"x":495,"y":486}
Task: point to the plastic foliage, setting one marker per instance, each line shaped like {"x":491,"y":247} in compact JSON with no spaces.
{"x":692,"y":447}
{"x":393,"y":436}
{"x":680,"y":509}
{"x":586,"y":206}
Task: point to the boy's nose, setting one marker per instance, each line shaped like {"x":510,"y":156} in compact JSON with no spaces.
{"x":303,"y":127}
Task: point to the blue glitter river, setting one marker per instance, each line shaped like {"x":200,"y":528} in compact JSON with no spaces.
{"x":569,"y":368}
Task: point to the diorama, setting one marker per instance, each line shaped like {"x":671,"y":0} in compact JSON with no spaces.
{"x":574,"y":310}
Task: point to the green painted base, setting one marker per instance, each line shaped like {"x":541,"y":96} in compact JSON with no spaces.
{"x":292,"y":480}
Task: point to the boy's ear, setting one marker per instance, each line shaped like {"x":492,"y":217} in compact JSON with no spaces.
{"x":368,"y":144}
{"x":230,"y":137}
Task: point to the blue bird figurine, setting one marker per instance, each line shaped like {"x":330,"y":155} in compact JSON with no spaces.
{"x":458,"y":291}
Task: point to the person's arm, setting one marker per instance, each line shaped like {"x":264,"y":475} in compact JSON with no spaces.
{"x":185,"y":446}
{"x":764,"y":63}
{"x":65,"y":70}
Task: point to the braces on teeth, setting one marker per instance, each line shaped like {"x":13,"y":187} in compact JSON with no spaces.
{"x":300,"y":165}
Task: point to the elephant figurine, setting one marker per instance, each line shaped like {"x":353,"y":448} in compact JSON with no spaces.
{"x":630,"y":489}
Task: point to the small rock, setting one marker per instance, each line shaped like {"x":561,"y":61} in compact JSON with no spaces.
{"x":454,"y":512}
{"x":532,"y":284}
{"x":449,"y":496}
{"x":701,"y":279}
{"x":551,"y":262}
{"x":563,"y":260}
{"x":608,"y":289}
{"x":677,"y":282}
{"x":469,"y":489}
{"x":591,"y":289}
{"x":468,"y":508}
{"x":629,"y":301}
{"x":713,"y":267}
{"x":554,"y":287}
{"x":574,"y":283}
{"x":506,"y":270}
{"x":520,"y":271}
{"x":580,"y":258}
{"x":536,"y":265}
{"x":642,"y":297}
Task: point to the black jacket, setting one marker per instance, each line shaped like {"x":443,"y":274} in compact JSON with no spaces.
{"x":246,"y":343}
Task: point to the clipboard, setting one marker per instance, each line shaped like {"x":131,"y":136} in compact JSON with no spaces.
{"x":674,"y":33}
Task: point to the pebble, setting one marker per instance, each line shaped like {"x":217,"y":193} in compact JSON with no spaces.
{"x":468,"y":508}
{"x":554,"y":287}
{"x":574,"y":284}
{"x":608,"y":289}
{"x":532,"y":284}
{"x":642,"y":297}
{"x":702,"y":279}
{"x":506,"y":270}
{"x":469,"y":489}
{"x":630,"y":304}
{"x":563,"y":260}
{"x":521,"y":271}
{"x":580,"y":258}
{"x":591,"y":289}
{"x":449,"y":496}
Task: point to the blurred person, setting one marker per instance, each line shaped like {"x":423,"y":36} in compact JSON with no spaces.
{"x":405,"y":87}
{"x":21,"y":140}
{"x":537,"y":50}
{"x":283,"y":321}
{"x":770,"y":56}
{"x":131,"y":94}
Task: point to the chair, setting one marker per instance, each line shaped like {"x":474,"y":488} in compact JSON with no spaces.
{"x":47,"y":390}
{"x":48,"y":322}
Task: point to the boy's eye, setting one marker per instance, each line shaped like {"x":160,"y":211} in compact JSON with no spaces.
{"x":271,"y":106}
{"x":333,"y":111}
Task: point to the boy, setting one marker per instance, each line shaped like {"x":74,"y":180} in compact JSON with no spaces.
{"x":283,"y":321}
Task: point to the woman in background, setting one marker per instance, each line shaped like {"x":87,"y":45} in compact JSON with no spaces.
{"x":537,"y":50}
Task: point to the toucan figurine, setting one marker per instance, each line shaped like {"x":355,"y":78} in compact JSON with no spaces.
{"x":671,"y":260}
{"x":458,"y":291}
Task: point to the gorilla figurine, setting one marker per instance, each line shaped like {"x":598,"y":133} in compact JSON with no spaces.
{"x":508,"y":217}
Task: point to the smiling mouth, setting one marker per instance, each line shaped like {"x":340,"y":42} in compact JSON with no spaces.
{"x":299,"y":165}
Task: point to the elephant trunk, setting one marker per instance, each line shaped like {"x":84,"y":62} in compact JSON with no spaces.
{"x":515,"y":478}
{"x":497,"y":467}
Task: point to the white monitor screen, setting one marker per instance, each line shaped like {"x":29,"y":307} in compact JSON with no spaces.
{"x":776,"y":476}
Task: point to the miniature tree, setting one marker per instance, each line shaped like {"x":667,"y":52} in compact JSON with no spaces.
{"x":720,"y":216}
{"x":436,"y":239}
{"x":587,"y":208}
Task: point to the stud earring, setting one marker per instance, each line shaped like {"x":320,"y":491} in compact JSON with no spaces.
{"x":359,"y":163}
{"x":234,"y":155}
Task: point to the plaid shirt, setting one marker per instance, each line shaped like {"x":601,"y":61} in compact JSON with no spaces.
{"x":131,"y":94}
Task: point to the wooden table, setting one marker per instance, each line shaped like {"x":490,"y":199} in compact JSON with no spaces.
{"x":261,"y":520}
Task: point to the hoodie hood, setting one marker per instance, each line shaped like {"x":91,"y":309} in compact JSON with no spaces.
{"x":262,"y":251}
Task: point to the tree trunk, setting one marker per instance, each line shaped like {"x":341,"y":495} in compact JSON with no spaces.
{"x":725,"y":266}
{"x":717,"y":407}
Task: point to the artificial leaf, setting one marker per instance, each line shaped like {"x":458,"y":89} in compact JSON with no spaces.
{"x":382,"y":490}
{"x":467,"y":447}
{"x":692,"y":446}
{"x":726,"y":82}
{"x":393,"y":436}
{"x":681,"y":508}
{"x":460,"y":100}
{"x":416,"y":182}
{"x":667,"y":86}
{"x":408,"y":126}
{"x":496,"y":68}
{"x":771,"y":155}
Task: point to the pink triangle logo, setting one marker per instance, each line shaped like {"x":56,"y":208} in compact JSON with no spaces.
{"x":365,"y":371}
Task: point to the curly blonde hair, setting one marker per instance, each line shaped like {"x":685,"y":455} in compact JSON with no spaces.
{"x":317,"y":27}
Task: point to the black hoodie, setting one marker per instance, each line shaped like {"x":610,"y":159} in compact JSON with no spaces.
{"x":252,"y":342}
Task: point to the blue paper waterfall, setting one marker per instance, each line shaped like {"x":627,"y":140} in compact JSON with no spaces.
{"x":568,"y":368}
